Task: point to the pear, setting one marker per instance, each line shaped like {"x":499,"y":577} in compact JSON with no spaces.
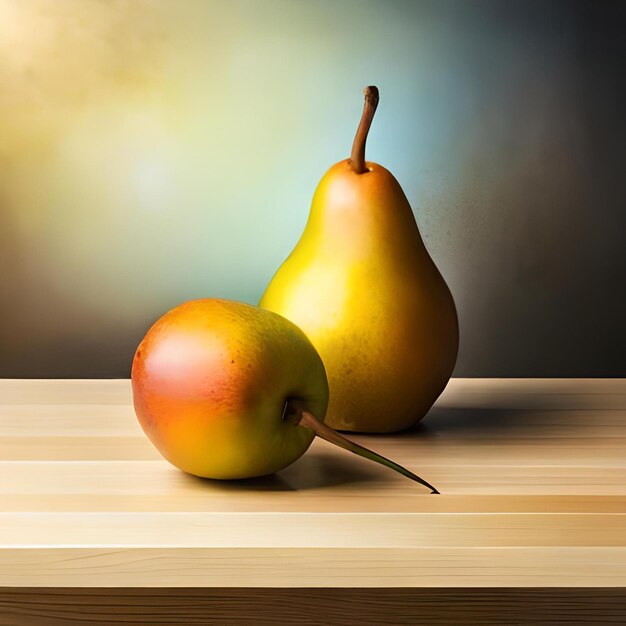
{"x":226,"y":390}
{"x":362,"y":286}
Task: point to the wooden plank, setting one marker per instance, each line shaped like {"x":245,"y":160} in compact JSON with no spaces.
{"x":561,"y":393}
{"x":52,"y":420}
{"x":85,"y":448}
{"x":457,"y":424}
{"x":313,"y":567}
{"x":342,"y":607}
{"x":310,"y":530}
{"x":316,"y":501}
{"x":606,"y":452}
{"x":159,"y":477}
{"x":65,"y":391}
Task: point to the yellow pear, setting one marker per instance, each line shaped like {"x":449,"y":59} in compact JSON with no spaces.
{"x":362,"y":286}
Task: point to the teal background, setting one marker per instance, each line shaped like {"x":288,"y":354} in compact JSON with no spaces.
{"x":155,"y":152}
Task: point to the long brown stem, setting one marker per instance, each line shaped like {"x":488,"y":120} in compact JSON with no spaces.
{"x":297,"y":415}
{"x":357,"y":158}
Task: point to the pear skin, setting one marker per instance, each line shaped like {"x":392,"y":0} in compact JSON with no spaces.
{"x":362,"y":286}
{"x":210,"y":382}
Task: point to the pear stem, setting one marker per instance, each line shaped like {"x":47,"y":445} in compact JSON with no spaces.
{"x":306,"y":419}
{"x":357,"y":158}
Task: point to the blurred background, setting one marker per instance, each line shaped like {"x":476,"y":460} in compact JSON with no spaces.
{"x":154,"y":151}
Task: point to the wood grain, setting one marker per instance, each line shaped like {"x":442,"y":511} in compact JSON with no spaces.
{"x":532,"y":474}
{"x":312,"y":607}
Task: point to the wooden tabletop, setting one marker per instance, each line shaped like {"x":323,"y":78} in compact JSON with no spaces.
{"x":532,"y":474}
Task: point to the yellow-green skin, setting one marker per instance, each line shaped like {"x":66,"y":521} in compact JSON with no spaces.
{"x":361,"y":285}
{"x":210,"y":381}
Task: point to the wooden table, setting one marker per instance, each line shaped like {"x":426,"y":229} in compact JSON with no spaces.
{"x":95,"y":524}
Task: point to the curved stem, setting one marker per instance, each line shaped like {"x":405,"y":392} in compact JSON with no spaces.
{"x":357,"y":158}
{"x":296,"y":415}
